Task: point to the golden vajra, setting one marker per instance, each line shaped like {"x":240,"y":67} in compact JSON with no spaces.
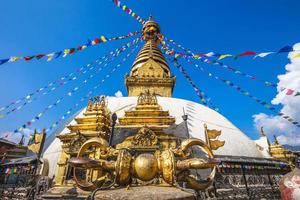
{"x":120,"y":166}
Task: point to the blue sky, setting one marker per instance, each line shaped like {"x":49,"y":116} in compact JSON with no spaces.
{"x":33,"y":27}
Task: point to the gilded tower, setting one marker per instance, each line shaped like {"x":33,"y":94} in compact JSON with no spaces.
{"x":150,"y":70}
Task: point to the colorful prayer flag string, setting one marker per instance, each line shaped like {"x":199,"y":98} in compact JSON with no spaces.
{"x":61,"y":82}
{"x":246,"y":93}
{"x":89,"y":94}
{"x":204,"y":99}
{"x":205,"y":59}
{"x":238,"y":88}
{"x":38,"y":116}
{"x":70,"y":93}
{"x":200,"y":94}
{"x":66,"y":52}
{"x":128,"y":10}
{"x":220,"y":56}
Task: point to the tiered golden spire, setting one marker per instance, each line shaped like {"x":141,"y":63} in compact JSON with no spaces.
{"x":150,"y":70}
{"x":147,"y":113}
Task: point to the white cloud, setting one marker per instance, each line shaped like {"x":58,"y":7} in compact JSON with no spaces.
{"x":119,"y":94}
{"x":275,"y":125}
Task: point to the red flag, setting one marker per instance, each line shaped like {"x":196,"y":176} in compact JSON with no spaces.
{"x":39,"y":56}
{"x":289,"y":92}
{"x":247,"y":53}
{"x":96,"y":41}
{"x":72,"y":50}
{"x":28,"y":58}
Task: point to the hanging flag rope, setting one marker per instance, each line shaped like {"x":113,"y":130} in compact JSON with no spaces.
{"x":244,"y":92}
{"x":66,"y":52}
{"x":204,"y":99}
{"x":27,"y":99}
{"x":205,"y":59}
{"x":128,"y":10}
{"x":70,"y":93}
{"x":89,"y":94}
{"x":220,"y":56}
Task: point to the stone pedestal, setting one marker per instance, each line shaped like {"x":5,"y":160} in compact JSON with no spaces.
{"x":145,"y":193}
{"x":131,"y":193}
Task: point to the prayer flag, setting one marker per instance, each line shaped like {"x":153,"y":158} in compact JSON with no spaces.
{"x":66,"y":52}
{"x":14,"y":58}
{"x":285,"y":49}
{"x":28,"y":58}
{"x":50,"y":56}
{"x":89,"y":43}
{"x":103,"y":39}
{"x":263,"y":54}
{"x":83,"y":47}
{"x":72,"y":50}
{"x":210,"y":54}
{"x":4,"y":61}
{"x":289,"y":92}
{"x":246,"y":53}
{"x":224,"y":56}
{"x":95,"y":41}
{"x":58,"y":54}
{"x":7,"y":171}
{"x":39,"y":56}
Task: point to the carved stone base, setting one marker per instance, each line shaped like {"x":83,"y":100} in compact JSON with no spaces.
{"x":145,"y":193}
{"x":132,"y":193}
{"x":66,"y":193}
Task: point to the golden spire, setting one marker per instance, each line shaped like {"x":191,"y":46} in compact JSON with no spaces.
{"x":150,"y":70}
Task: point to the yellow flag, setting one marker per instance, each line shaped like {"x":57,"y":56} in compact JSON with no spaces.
{"x":215,"y":144}
{"x":14,"y":58}
{"x":83,"y":47}
{"x":212,"y":134}
{"x":103,"y":39}
{"x":66,"y":52}
{"x":297,"y":55}
{"x":224,"y":56}
{"x":50,"y":56}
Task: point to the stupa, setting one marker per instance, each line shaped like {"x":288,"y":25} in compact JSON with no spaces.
{"x":150,"y":122}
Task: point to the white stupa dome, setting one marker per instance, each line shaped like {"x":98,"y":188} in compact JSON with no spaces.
{"x":236,"y":142}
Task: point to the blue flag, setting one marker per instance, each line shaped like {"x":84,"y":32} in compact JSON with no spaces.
{"x":285,"y":49}
{"x":4,"y":61}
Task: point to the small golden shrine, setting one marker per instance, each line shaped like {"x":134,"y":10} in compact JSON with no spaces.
{"x":277,"y":151}
{"x":95,"y":122}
